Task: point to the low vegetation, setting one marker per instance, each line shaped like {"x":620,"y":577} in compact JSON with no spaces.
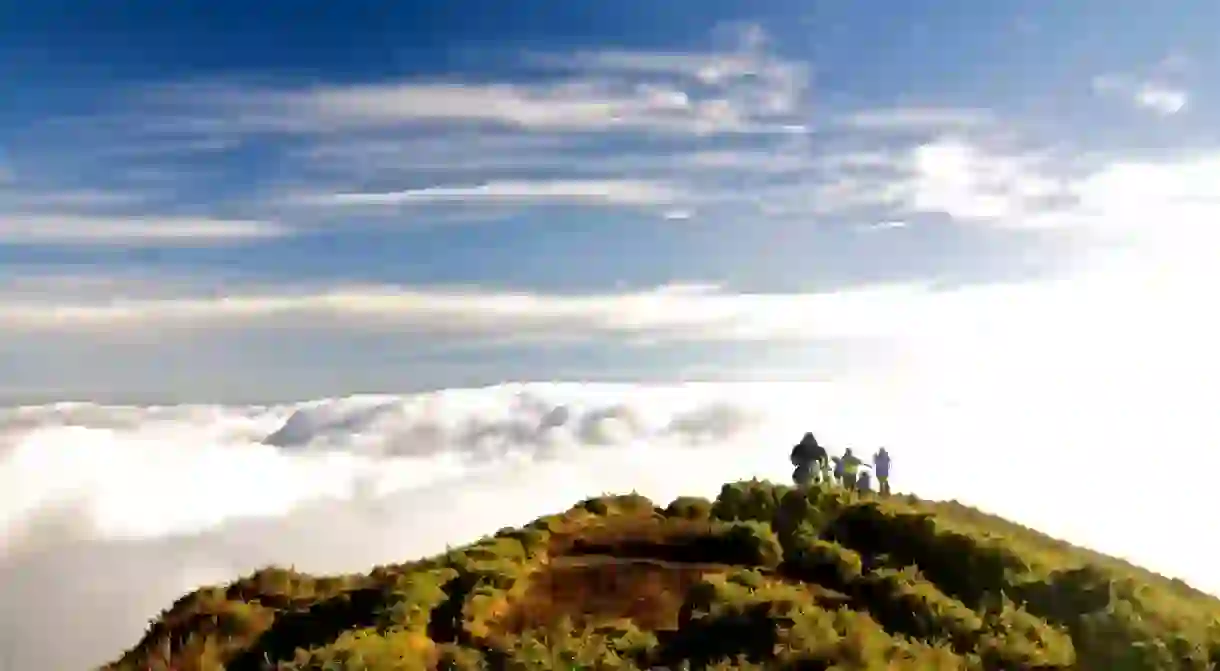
{"x":764,"y":577}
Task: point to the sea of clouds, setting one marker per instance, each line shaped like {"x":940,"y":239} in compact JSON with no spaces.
{"x":108,"y":514}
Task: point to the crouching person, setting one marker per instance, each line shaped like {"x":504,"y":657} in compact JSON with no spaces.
{"x":864,"y":483}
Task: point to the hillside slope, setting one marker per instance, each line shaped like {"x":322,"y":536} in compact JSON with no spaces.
{"x":766,"y":576}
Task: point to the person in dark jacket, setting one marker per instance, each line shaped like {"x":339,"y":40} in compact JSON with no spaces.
{"x":881,"y":466}
{"x":805,"y":456}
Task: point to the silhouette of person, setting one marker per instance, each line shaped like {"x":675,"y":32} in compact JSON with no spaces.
{"x":881,"y":465}
{"x":805,"y":455}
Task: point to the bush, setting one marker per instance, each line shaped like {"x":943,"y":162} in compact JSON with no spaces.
{"x":757,"y":542}
{"x":748,"y":500}
{"x":812,"y":559}
{"x":689,"y":508}
{"x":616,"y":503}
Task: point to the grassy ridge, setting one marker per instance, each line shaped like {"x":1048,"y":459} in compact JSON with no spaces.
{"x":766,"y":576}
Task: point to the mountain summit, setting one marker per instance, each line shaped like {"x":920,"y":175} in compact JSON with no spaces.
{"x":765,"y":577}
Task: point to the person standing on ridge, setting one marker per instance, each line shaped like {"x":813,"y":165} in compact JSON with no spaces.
{"x":805,"y":455}
{"x":847,"y":467}
{"x":881,"y":465}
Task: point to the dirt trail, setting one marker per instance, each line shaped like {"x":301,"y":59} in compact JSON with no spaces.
{"x":589,"y":588}
{"x":597,"y":588}
{"x":635,"y":569}
{"x":590,"y":561}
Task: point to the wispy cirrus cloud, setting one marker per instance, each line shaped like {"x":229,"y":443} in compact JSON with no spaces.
{"x":729,"y":134}
{"x":741,"y":90}
{"x":918,"y":118}
{"x":681,"y":312}
{"x":33,"y":213}
{"x":588,"y":192}
{"x":604,"y":128}
{"x":725,"y":133}
{"x":132,"y":231}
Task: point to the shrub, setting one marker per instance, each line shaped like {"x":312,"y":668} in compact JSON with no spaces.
{"x":748,"y":500}
{"x":689,"y":508}
{"x":757,"y":542}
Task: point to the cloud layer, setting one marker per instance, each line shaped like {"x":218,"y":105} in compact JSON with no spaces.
{"x":109,"y":513}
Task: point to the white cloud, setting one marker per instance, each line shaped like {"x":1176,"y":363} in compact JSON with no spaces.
{"x":957,"y":178}
{"x":886,"y":225}
{"x":131,"y":231}
{"x":612,"y":127}
{"x":918,"y":118}
{"x":21,"y":198}
{"x":723,"y":131}
{"x":1158,"y":211}
{"x":574,"y":105}
{"x":1159,"y":97}
{"x":354,"y":157}
{"x":588,"y":192}
{"x":677,"y":312}
{"x":741,"y":90}
{"x":750,"y":79}
{"x":39,"y":213}
{"x":1163,"y":206}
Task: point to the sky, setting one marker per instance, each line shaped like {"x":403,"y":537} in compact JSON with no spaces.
{"x":982,"y":234}
{"x":219,"y":202}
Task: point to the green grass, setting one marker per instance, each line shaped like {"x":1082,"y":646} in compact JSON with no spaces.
{"x":764,"y":577}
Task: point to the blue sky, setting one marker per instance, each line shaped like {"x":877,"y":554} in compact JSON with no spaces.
{"x":235,"y":201}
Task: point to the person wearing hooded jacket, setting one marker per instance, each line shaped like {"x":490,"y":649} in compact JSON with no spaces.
{"x":881,"y":466}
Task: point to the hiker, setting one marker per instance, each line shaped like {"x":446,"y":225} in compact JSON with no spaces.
{"x":864,"y":484}
{"x":881,"y":465}
{"x":846,"y":468}
{"x":805,"y":455}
